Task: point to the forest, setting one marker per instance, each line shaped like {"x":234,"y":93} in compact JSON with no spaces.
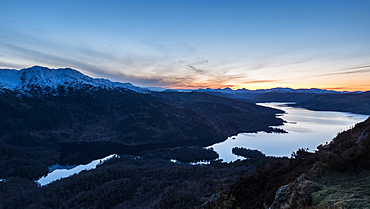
{"x":129,"y":182}
{"x":152,"y":181}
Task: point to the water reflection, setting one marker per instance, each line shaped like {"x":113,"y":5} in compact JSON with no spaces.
{"x":60,"y":173}
{"x":306,"y":129}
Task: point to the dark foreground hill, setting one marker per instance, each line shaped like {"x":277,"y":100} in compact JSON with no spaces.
{"x":336,"y":176}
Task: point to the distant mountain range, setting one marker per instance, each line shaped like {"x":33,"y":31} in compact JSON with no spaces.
{"x":27,"y":79}
{"x":314,"y":99}
{"x":273,"y":90}
{"x":42,"y":80}
{"x":271,"y":95}
{"x":355,"y":103}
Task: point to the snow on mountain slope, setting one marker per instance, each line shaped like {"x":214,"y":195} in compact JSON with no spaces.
{"x":45,"y":78}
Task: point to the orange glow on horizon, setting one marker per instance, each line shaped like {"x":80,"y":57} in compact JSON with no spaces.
{"x":250,"y":87}
{"x":353,"y":82}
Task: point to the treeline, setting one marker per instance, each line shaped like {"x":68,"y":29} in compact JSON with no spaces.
{"x":129,"y":118}
{"x":30,"y":162}
{"x":130,"y":183}
{"x":248,"y":153}
{"x":185,"y":154}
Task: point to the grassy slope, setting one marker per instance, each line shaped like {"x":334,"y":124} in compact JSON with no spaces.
{"x":347,"y":190}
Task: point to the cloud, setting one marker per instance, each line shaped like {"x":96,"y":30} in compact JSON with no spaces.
{"x":197,"y":70}
{"x":122,"y":66}
{"x":363,"y":69}
{"x":155,"y":65}
{"x":166,"y":64}
{"x":146,"y":64}
{"x":260,"y":81}
{"x":11,"y":65}
{"x":362,"y":87}
{"x":37,"y":57}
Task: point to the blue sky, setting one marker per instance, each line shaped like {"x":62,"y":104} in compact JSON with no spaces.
{"x":194,"y":44}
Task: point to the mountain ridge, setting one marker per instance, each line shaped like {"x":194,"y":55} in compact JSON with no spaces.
{"x":26,"y":79}
{"x":274,"y":90}
{"x":355,"y":103}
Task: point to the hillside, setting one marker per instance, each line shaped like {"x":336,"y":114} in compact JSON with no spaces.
{"x":355,"y":103}
{"x":312,"y":180}
{"x":129,"y":118}
{"x":270,"y":95}
{"x":44,"y":117}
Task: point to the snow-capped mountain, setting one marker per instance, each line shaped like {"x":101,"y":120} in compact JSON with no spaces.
{"x":50,"y":79}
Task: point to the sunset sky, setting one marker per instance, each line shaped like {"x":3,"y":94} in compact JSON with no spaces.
{"x":249,"y":44}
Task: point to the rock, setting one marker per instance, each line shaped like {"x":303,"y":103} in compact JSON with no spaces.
{"x":295,"y":195}
{"x":283,"y":197}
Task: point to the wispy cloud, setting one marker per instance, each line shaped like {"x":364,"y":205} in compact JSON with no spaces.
{"x":195,"y":69}
{"x":171,"y":65}
{"x":261,"y":81}
{"x":155,"y":65}
{"x":351,"y":70}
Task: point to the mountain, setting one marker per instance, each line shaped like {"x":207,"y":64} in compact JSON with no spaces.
{"x":314,"y":99}
{"x":270,"y":95}
{"x":355,"y":103}
{"x":44,"y":112}
{"x":49,"y":80}
{"x":64,"y":101}
{"x":273,"y":90}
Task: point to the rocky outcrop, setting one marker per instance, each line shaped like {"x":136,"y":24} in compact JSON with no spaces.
{"x":283,"y":197}
{"x":295,"y":195}
{"x":334,"y":190}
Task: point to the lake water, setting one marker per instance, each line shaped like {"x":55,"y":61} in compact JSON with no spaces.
{"x":306,"y":129}
{"x":59,"y":172}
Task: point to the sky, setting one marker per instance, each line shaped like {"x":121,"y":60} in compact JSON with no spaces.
{"x":190,"y":44}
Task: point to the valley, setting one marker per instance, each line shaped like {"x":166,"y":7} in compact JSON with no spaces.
{"x":43,"y":114}
{"x":62,"y":117}
{"x":196,"y":104}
